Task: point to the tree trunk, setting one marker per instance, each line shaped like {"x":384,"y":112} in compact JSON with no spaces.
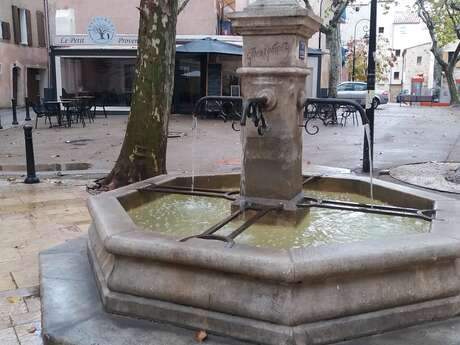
{"x":333,"y":44}
{"x":143,"y":153}
{"x":454,"y":99}
{"x":437,"y":79}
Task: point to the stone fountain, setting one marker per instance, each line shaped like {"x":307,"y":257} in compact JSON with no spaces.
{"x":295,"y":295}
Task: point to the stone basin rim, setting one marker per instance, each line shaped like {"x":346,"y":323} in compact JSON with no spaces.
{"x":121,"y":236}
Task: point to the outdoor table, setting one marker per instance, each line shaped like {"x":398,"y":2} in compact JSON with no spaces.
{"x":65,"y":104}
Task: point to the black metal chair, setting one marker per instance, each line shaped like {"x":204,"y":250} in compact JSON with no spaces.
{"x":53,"y":109}
{"x":84,"y":107}
{"x":39,"y":111}
{"x":347,"y":112}
{"x":100,"y":102}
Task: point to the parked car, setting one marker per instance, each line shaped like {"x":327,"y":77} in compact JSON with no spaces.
{"x":401,"y":94}
{"x":357,"y":91}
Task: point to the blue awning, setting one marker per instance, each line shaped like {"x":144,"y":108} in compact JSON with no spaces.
{"x":209,"y":45}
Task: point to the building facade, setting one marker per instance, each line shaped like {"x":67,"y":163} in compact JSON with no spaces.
{"x":417,"y":70}
{"x":397,"y":26}
{"x":23,"y":52}
{"x":94,"y":48}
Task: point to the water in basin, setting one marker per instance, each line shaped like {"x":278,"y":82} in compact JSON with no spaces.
{"x":183,"y":215}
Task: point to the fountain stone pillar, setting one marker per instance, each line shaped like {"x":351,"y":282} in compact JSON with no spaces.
{"x":275,"y":37}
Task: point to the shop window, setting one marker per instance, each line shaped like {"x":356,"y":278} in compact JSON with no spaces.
{"x":65,"y":22}
{"x":109,"y":80}
{"x":396,"y":75}
{"x":381,"y":29}
{"x":419,"y":60}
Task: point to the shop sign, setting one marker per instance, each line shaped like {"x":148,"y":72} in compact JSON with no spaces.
{"x":118,"y":40}
{"x":101,"y":30}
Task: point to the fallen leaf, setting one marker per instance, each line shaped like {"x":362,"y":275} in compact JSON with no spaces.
{"x":14,"y":299}
{"x":201,"y":336}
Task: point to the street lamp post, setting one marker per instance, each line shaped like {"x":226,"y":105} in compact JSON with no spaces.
{"x":365,"y":28}
{"x":369,"y":145}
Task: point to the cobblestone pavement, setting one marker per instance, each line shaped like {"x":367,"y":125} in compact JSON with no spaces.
{"x":32,"y":218}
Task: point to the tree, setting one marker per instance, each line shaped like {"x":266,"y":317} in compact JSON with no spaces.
{"x":384,"y":59}
{"x":331,"y":29}
{"x":333,"y":42}
{"x":442,"y":18}
{"x":143,"y":153}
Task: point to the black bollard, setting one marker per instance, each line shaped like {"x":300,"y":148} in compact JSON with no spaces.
{"x":31,"y":177}
{"x":27,"y":109}
{"x":15,"y":115}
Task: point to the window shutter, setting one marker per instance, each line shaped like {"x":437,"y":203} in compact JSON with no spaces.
{"x":29,"y":28}
{"x":41,"y":29}
{"x":16,"y":25}
{"x":6,"y":33}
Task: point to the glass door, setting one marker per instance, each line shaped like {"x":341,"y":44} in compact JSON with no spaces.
{"x":187,"y":84}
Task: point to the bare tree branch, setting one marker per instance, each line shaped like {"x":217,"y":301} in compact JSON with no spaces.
{"x":307,"y":4}
{"x":426,"y":18}
{"x":455,"y":6}
{"x":339,"y":6}
{"x":182,"y":6}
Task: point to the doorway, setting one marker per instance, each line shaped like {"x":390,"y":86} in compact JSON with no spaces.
{"x":16,"y":77}
{"x":33,"y":85}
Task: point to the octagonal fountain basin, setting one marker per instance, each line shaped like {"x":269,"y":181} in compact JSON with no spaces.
{"x":339,"y":269}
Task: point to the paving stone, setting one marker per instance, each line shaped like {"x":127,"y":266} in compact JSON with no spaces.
{"x":5,"y":322}
{"x":12,"y":305}
{"x":33,"y":303}
{"x":29,"y":333}
{"x":25,"y":318}
{"x":19,"y":264}
{"x":6,"y":283}
{"x":26,"y":278}
{"x":8,"y":337}
{"x":9,"y":201}
{"x":8,"y":254}
{"x":27,"y":329}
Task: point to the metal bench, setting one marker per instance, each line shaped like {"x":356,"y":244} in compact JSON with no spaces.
{"x":416,"y":99}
